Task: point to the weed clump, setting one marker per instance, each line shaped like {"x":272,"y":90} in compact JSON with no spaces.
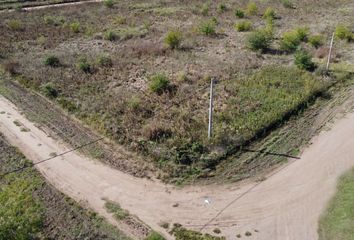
{"x":290,"y":41}
{"x":52,"y":61}
{"x":251,"y":9}
{"x":54,"y":21}
{"x":260,"y":40}
{"x":222,"y":8}
{"x":316,"y":41}
{"x":207,"y":28}
{"x":108,"y":3}
{"x":287,"y":3}
{"x":243,"y":26}
{"x":116,"y":209}
{"x":75,"y":27}
{"x":303,"y":60}
{"x":343,"y":33}
{"x":239,"y":13}
{"x":269,"y":13}
{"x":84,"y":65}
{"x":104,"y":61}
{"x":173,"y":39}
{"x":15,"y":25}
{"x":50,"y":90}
{"x":110,"y":36}
{"x":159,"y":83}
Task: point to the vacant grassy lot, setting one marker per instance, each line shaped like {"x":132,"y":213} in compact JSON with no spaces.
{"x":338,"y":220}
{"x":32,"y":209}
{"x":139,"y":72}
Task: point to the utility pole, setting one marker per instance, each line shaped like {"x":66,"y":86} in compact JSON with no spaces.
{"x":210,"y":126}
{"x":330,"y":52}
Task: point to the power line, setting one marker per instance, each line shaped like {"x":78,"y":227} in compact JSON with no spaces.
{"x":51,"y":158}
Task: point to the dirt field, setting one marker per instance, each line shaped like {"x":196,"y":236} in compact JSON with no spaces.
{"x":170,"y":128}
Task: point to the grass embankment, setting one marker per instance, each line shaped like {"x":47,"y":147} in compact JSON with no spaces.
{"x":32,"y":209}
{"x":338,"y":220}
{"x":16,"y":4}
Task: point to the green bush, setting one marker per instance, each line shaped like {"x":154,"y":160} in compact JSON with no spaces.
{"x":260,"y":40}
{"x":50,"y":90}
{"x":75,"y":27}
{"x":110,"y":36}
{"x":269,"y":13}
{"x":252,"y":9}
{"x":159,"y":83}
{"x":55,"y":21}
{"x":239,"y":13}
{"x":173,"y":39}
{"x":342,"y":32}
{"x":207,"y":28}
{"x":290,"y":41}
{"x":303,"y":60}
{"x":52,"y":61}
{"x":104,"y":61}
{"x":243,"y":26}
{"x":84,"y":65}
{"x":316,"y":40}
{"x":108,"y":3}
{"x":154,"y":236}
{"x":287,"y":3}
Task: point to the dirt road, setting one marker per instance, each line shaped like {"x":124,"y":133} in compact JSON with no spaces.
{"x":285,"y":206}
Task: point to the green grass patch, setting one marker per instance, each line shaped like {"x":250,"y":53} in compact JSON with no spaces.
{"x":338,"y":220}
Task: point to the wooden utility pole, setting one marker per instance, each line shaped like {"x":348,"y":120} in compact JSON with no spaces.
{"x":330,"y":52}
{"x":210,"y":126}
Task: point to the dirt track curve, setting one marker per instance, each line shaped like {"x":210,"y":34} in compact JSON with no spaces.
{"x":285,"y":206}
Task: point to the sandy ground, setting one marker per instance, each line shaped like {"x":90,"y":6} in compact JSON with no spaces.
{"x":285,"y":206}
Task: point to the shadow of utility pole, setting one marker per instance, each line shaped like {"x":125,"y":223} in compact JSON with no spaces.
{"x":270,"y":153}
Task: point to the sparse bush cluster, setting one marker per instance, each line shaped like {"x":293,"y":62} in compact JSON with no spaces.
{"x":291,"y":40}
{"x":84,"y":65}
{"x":50,"y":90}
{"x":52,"y":61}
{"x":16,"y":25}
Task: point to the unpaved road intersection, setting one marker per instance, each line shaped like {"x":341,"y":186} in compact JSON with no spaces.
{"x":285,"y":206}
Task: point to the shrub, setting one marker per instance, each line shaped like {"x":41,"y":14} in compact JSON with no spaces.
{"x":110,"y":36}
{"x":173,"y":39}
{"x":120,"y":20}
{"x":83,"y":65}
{"x":342,"y":32}
{"x":316,"y":40}
{"x":52,"y":61}
{"x":239,"y":13}
{"x":222,"y":7}
{"x":55,"y":21}
{"x":75,"y":27}
{"x":243,"y":26}
{"x":156,"y":133}
{"x":269,"y":13}
{"x":67,"y":104}
{"x":217,"y":230}
{"x":159,"y":83}
{"x":303,"y":60}
{"x":207,"y":28}
{"x":104,"y":61}
{"x":252,"y":9}
{"x":290,"y":41}
{"x":15,"y":25}
{"x":214,"y":20}
{"x":260,"y":40}
{"x":154,"y":236}
{"x":108,"y":3}
{"x":50,"y":90}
